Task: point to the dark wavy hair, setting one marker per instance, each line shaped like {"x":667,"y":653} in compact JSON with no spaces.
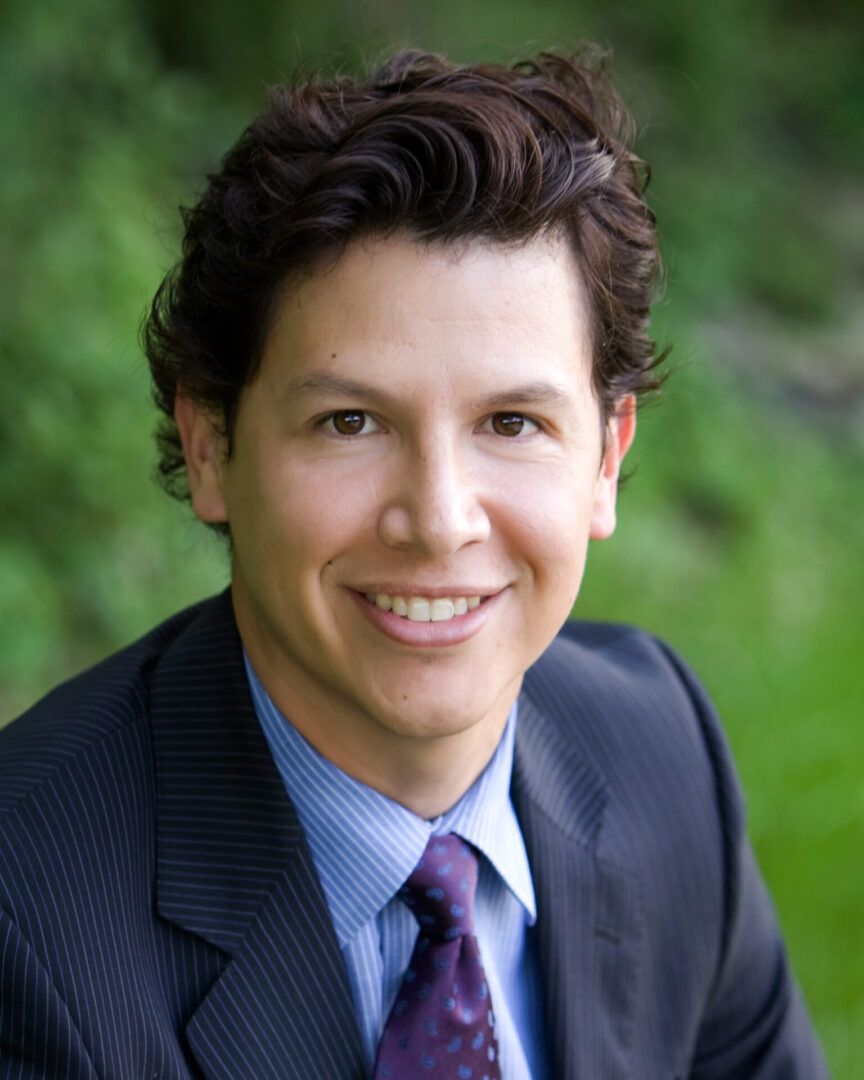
{"x":442,"y":151}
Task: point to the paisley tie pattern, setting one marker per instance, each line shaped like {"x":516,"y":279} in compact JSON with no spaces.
{"x":441,"y":1023}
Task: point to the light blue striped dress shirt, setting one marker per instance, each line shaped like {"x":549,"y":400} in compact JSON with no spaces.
{"x":365,"y":846}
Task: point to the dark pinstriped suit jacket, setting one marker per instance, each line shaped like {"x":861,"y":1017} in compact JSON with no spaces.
{"x":160,"y":915}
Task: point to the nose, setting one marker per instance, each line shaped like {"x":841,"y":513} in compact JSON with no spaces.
{"x":436,"y":507}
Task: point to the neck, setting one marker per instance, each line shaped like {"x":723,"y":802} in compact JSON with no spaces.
{"x":432,"y":781}
{"x":427,"y":776}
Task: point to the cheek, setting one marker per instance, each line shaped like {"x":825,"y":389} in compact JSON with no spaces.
{"x":553,"y":530}
{"x":314,"y":513}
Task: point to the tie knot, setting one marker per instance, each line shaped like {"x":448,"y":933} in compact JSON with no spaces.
{"x":440,"y":891}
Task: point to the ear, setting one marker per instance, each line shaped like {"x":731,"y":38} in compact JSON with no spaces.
{"x":203,"y":450}
{"x":619,"y":435}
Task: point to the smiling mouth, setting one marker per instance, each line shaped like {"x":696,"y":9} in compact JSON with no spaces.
{"x":423,"y":608}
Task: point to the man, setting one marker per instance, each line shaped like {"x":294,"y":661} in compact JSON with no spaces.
{"x":375,"y":813}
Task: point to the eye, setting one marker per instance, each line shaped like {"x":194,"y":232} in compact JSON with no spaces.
{"x":348,"y":422}
{"x":511,"y":425}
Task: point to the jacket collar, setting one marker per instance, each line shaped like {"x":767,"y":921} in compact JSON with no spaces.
{"x":588,"y":908}
{"x":233,"y":868}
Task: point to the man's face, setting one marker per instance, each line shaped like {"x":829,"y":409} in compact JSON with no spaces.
{"x":422,"y":432}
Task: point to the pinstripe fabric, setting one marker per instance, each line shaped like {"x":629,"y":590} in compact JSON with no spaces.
{"x":365,"y":847}
{"x":659,"y":947}
{"x":76,"y":857}
{"x":160,"y":914}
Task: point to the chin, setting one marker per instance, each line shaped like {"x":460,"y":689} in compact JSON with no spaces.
{"x":413,"y":715}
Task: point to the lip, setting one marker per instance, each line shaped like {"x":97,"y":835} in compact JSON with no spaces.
{"x":428,"y":634}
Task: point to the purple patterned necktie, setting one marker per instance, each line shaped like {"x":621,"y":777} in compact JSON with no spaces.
{"x":441,"y":1022}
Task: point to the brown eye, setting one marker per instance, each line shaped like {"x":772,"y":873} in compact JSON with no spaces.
{"x":349,"y":423}
{"x":508,"y":423}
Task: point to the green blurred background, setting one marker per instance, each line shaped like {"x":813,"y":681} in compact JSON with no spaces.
{"x":741,"y":535}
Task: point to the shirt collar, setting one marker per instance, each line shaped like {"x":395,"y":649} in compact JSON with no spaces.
{"x":358,"y":835}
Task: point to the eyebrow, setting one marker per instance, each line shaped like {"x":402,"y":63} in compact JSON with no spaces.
{"x":531,"y":393}
{"x":324,"y":382}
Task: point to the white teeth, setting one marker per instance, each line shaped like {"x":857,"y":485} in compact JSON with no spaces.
{"x":442,"y":610}
{"x":418,"y":609}
{"x":421,"y":609}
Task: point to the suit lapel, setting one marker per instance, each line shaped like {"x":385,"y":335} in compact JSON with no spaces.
{"x":587,"y":933}
{"x":233,"y":867}
{"x":282,"y":1008}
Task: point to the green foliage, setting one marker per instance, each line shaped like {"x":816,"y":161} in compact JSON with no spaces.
{"x":86,"y":538}
{"x":741,"y":532}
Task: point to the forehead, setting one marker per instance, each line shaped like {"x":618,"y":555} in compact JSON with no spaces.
{"x":404,"y":306}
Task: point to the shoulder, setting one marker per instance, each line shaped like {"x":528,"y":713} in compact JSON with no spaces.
{"x":610,"y":660}
{"x":617,"y":689}
{"x":629,"y":708}
{"x":84,"y":715}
